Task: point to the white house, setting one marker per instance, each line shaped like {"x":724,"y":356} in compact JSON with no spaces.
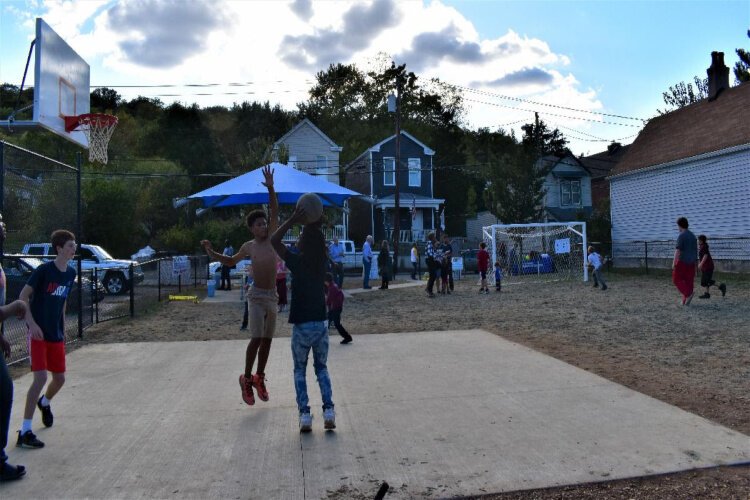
{"x":567,"y":188}
{"x":692,"y":162}
{"x":311,"y":151}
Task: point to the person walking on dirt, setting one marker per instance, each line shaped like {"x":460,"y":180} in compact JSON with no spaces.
{"x":683,"y":265}
{"x":706,"y":266}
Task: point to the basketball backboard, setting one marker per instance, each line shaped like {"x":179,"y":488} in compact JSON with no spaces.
{"x":61,"y":85}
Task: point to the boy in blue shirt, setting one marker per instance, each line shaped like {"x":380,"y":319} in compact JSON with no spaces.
{"x":46,"y":293}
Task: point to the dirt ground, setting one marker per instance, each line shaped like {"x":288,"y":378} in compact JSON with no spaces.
{"x":635,"y":334}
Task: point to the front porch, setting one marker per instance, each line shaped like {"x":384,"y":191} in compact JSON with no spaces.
{"x":418,"y":216}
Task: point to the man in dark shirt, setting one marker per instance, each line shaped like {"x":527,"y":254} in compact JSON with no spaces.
{"x":683,"y":265}
{"x":307,"y":314}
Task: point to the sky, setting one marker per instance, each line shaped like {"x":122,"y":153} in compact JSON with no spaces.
{"x":576,"y":63}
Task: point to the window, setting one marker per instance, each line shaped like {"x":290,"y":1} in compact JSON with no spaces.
{"x":292,"y":161}
{"x":389,"y":171}
{"x":36,"y":251}
{"x":86,"y":254}
{"x":415,"y":172}
{"x":570,"y":192}
{"x":321,"y":166}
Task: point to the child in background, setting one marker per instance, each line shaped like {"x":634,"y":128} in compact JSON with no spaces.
{"x":247,"y":282}
{"x":498,"y":277}
{"x":335,"y":304}
{"x":281,"y":284}
{"x":483,"y":266}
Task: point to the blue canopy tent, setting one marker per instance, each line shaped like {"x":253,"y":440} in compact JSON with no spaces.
{"x":290,"y":184}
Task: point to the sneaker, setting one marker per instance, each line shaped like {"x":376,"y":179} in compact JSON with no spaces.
{"x":347,"y":340}
{"x":47,"y":417}
{"x":243,"y":328}
{"x":689,"y":299}
{"x":329,"y":419}
{"x":604,"y":287}
{"x":11,"y":472}
{"x":28,"y":440}
{"x":596,"y":286}
{"x":305,"y":422}
{"x":723,"y":289}
{"x":430,"y":295}
{"x":259,"y":382}
{"x":246,"y":384}
{"x":705,"y":296}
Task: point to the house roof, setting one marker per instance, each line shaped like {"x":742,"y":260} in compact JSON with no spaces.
{"x":551,"y":161}
{"x":308,"y":123}
{"x":376,"y":148}
{"x":703,"y":127}
{"x":601,"y":164}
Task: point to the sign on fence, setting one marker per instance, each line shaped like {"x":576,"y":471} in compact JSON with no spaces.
{"x":180,"y":265}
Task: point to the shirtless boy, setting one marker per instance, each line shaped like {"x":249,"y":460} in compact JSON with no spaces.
{"x":262,"y":299}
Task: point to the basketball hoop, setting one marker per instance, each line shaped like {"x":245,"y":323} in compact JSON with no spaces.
{"x":98,"y":129}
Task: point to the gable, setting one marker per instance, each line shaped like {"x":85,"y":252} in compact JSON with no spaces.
{"x":306,"y":130}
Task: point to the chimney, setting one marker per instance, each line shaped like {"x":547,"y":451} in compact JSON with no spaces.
{"x":718,"y":75}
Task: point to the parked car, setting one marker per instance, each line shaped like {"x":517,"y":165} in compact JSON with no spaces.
{"x":112,"y":272}
{"x":18,"y":269}
{"x":237,"y":272}
{"x":470,"y":260}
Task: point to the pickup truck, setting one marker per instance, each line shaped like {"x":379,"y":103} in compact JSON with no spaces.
{"x":115,"y":271}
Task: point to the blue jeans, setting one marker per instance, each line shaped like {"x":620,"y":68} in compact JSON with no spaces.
{"x":367,"y":265}
{"x":305,"y":336}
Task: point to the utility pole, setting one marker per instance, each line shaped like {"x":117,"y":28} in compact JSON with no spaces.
{"x":397,"y":196}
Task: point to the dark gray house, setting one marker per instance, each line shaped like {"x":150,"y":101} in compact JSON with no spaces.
{"x":373,"y":173}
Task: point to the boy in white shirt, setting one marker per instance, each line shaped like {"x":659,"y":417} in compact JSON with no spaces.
{"x":595,"y":261}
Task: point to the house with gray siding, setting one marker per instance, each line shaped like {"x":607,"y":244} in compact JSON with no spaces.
{"x":373,"y":173}
{"x":311,"y":151}
{"x":567,"y":188}
{"x":692,"y":162}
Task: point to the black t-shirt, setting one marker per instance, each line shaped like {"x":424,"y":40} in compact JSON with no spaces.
{"x":51,"y":288}
{"x":308,"y":290}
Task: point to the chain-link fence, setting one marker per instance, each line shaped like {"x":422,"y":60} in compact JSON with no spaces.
{"x":729,"y":254}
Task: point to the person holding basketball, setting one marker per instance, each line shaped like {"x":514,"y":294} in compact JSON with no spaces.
{"x":307,"y":314}
{"x":262,"y":299}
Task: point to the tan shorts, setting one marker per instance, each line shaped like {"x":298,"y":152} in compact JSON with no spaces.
{"x":261,"y":307}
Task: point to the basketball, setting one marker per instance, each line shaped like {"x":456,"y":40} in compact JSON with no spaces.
{"x":313,"y":207}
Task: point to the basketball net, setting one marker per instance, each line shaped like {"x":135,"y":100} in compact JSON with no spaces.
{"x":98,"y":129}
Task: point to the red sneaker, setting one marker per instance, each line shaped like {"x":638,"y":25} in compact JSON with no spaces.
{"x":247,"y":390}
{"x":259,"y":382}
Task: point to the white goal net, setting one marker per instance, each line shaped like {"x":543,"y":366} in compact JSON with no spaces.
{"x":537,"y":252}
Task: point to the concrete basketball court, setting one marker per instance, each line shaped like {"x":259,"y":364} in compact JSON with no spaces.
{"x":435,"y":414}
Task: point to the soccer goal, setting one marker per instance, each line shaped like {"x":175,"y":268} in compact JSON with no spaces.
{"x":542,"y":252}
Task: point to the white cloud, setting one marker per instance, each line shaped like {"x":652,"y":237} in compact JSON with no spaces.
{"x":279,"y":46}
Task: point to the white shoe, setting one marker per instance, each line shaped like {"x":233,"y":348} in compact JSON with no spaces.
{"x":329,"y":418}
{"x":305,"y":422}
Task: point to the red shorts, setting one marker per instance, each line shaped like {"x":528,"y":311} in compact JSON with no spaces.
{"x":47,"y":356}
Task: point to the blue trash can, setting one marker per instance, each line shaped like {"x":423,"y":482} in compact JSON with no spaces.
{"x":211,"y":288}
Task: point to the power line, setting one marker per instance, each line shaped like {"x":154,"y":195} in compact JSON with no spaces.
{"x":537,"y":103}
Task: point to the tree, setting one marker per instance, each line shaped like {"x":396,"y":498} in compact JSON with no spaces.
{"x":682,"y":94}
{"x":540,"y":141}
{"x":514,"y":193}
{"x":104,"y":99}
{"x":742,"y":67}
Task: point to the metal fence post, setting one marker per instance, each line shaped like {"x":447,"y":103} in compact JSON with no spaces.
{"x":96,"y":284}
{"x":158,"y":280}
{"x":132,"y":290}
{"x":645,"y":244}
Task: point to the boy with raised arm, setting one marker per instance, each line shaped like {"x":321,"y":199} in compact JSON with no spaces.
{"x":307,"y":314}
{"x":262,"y":299}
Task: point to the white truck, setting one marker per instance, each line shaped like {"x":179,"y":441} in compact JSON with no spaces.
{"x":113,"y":273}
